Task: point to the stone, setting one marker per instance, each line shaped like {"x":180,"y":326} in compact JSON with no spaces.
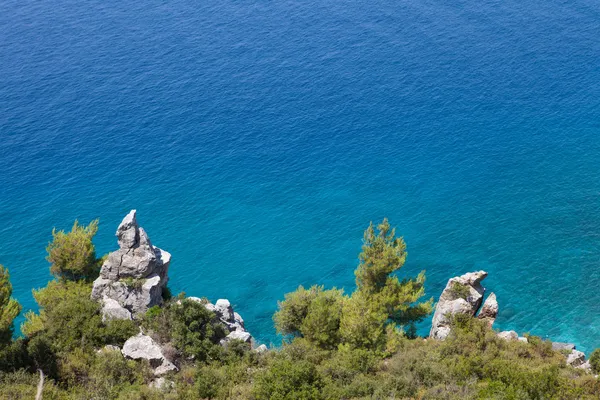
{"x":560,"y":346}
{"x":111,"y":309}
{"x":576,"y":358}
{"x":586,"y":366}
{"x":522,"y":339}
{"x":237,"y":335}
{"x":489,"y":310}
{"x":224,"y":310}
{"x":261,"y":349}
{"x":508,"y":335}
{"x":144,"y":347}
{"x":134,"y":275}
{"x":452,"y":302}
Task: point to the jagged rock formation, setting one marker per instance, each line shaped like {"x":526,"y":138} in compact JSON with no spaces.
{"x":132,"y":278}
{"x":144,"y":347}
{"x":489,"y":310}
{"x":462,"y":295}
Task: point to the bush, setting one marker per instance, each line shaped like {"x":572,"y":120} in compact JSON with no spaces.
{"x":9,"y":308}
{"x":460,"y":291}
{"x":72,"y":255}
{"x":595,"y":361}
{"x":286,"y":379}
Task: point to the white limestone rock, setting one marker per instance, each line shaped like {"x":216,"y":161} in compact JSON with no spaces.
{"x":489,"y":310}
{"x":560,"y":346}
{"x":237,"y":335}
{"x":144,"y":347}
{"x":135,"y":274}
{"x":508,"y":335}
{"x":576,"y":358}
{"x":261,"y":349}
{"x":111,"y":309}
{"x":451,"y":302}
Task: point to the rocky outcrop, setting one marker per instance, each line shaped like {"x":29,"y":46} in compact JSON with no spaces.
{"x":462,"y":295}
{"x":144,"y":347}
{"x":489,"y":310}
{"x":576,"y":358}
{"x":560,"y":346}
{"x":133,"y":277}
{"x":111,"y":309}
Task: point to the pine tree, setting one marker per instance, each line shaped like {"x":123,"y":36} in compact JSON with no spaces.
{"x":9,"y":308}
{"x":72,"y":255}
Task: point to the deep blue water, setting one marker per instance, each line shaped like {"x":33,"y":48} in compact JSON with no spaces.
{"x":257,"y":140}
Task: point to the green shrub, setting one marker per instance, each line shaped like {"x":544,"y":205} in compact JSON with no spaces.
{"x":287,"y":380}
{"x":9,"y":308}
{"x":460,"y":291}
{"x":595,"y":361}
{"x":72,"y":255}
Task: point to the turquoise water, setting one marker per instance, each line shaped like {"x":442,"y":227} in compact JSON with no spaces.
{"x":258,"y":139}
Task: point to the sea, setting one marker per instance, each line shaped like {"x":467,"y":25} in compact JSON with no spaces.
{"x":258,"y":139}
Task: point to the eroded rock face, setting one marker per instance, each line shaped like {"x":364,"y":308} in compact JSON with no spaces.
{"x":134,"y":275}
{"x":489,"y":310}
{"x":576,"y":358}
{"x":462,"y":295}
{"x":144,"y":347}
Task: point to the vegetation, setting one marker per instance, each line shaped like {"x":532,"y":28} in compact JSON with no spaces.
{"x":337,"y":346}
{"x":72,"y":255}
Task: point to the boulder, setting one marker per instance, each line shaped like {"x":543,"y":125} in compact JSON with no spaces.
{"x":576,"y":358}
{"x":261,"y":349}
{"x":560,"y":346}
{"x":111,"y":309}
{"x":522,"y":339}
{"x":462,"y":295}
{"x":134,"y":275}
{"x":508,"y":335}
{"x":586,"y":366}
{"x":489,"y":310}
{"x":144,"y":347}
{"x":237,"y":335}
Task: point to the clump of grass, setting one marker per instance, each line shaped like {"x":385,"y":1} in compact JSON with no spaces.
{"x":136,"y":284}
{"x":460,"y":291}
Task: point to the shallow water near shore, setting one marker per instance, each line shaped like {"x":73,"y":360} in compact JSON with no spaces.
{"x":258,"y":139}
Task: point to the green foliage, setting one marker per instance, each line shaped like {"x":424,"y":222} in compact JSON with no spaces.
{"x":196,"y":330}
{"x":383,"y":254}
{"x":460,"y":291}
{"x":294,"y":309}
{"x":341,"y":347}
{"x":372,"y":315}
{"x":9,"y":308}
{"x":69,"y":319}
{"x":289,"y":380}
{"x":72,"y":255}
{"x":134,"y":283}
{"x":314,"y":314}
{"x":193,"y":330}
{"x":595,"y":361}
